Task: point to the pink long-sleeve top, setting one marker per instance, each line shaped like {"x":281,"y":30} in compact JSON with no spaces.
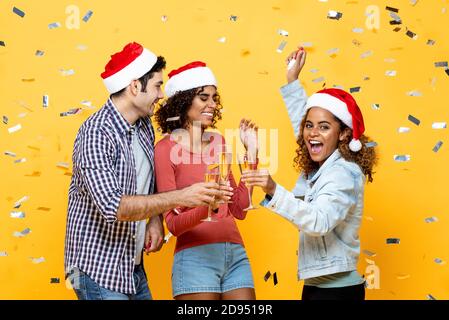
{"x":177,"y":168}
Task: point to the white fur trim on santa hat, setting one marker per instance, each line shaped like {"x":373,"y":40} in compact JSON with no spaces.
{"x":133,"y":71}
{"x":355,"y":145}
{"x":189,"y":79}
{"x":334,"y":105}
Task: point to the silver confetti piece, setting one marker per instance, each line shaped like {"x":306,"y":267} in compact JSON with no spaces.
{"x":87,"y":16}
{"x":22,"y":233}
{"x":357,"y":30}
{"x":67,"y":73}
{"x":414,"y":93}
{"x":441,"y":64}
{"x":164,"y":18}
{"x":2,"y":44}
{"x":45,"y":101}
{"x":54,"y":280}
{"x":439,"y":125}
{"x":390,"y":73}
{"x":402,"y":158}
{"x":437,"y":147}
{"x":38,"y":260}
{"x":281,"y":46}
{"x":321,"y":79}
{"x":5,"y":120}
{"x":354,"y":89}
{"x":430,"y":297}
{"x":412,"y":35}
{"x":393,"y":241}
{"x":366,"y":54}
{"x":403,"y":130}
{"x":283,"y":32}
{"x":335,"y":15}
{"x":307,"y":44}
{"x":222,"y":39}
{"x":20,"y":160}
{"x":17,"y":214}
{"x":9,"y":153}
{"x":54,"y":25}
{"x":87,"y":103}
{"x":20,"y":201}
{"x":71,"y":112}
{"x":333,"y":51}
{"x":15,"y":128}
{"x":63,"y":165}
{"x":233,"y":18}
{"x":376,"y":106}
{"x":3,"y":254}
{"x":19,"y":12}
{"x":395,"y":17}
{"x":81,"y":47}
{"x":369,"y":253}
{"x":431,"y":219}
{"x":314,"y":70}
{"x":430,"y":42}
{"x":39,"y":53}
{"x":173,"y":119}
{"x":371,"y":144}
{"x":414,"y":120}
{"x":167,"y":237}
{"x":439,"y":261}
{"x":389,"y":60}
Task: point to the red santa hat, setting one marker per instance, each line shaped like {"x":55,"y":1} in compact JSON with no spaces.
{"x":127,"y":65}
{"x":192,"y":75}
{"x":342,"y":105}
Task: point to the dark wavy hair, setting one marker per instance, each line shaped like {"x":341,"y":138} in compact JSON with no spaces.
{"x":366,"y":158}
{"x":179,"y":105}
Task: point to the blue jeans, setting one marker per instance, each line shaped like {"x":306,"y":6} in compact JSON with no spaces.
{"x":87,"y":289}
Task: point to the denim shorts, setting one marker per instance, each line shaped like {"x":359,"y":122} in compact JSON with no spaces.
{"x":216,"y":267}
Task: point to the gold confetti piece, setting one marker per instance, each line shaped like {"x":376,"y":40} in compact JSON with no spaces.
{"x":402,"y":276}
{"x":54,"y":280}
{"x":370,"y":261}
{"x":28,"y":80}
{"x":34,"y":148}
{"x":35,"y":174}
{"x":43,"y":209}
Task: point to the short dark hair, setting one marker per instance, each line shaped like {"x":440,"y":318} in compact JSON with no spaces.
{"x":158,"y":66}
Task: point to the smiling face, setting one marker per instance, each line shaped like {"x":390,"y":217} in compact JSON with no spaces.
{"x":203,"y":106}
{"x":146,"y":100}
{"x":321,"y":134}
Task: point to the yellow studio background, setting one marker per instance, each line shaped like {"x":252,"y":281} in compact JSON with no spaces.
{"x":250,"y":71}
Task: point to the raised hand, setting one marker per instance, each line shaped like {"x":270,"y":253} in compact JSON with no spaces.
{"x":300,"y":59}
{"x":248,"y":136}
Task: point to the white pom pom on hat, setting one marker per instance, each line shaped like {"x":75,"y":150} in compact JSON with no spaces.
{"x":342,"y":105}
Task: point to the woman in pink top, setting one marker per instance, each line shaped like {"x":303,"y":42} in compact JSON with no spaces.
{"x":210,"y":259}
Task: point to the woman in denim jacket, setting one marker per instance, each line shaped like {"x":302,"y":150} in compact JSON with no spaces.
{"x":326,"y":204}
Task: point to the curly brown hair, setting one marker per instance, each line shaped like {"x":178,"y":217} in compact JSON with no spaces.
{"x":179,"y":105}
{"x":366,"y":158}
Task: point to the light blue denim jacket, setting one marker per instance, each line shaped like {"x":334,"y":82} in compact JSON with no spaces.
{"x":330,"y":215}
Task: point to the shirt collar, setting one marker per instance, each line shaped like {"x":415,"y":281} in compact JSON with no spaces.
{"x":120,"y":123}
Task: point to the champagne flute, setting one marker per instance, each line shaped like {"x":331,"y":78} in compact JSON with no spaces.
{"x":212,"y":175}
{"x":244,"y":166}
{"x":225,"y":161}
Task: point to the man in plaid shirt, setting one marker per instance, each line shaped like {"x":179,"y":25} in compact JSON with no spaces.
{"x":111,"y":192}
